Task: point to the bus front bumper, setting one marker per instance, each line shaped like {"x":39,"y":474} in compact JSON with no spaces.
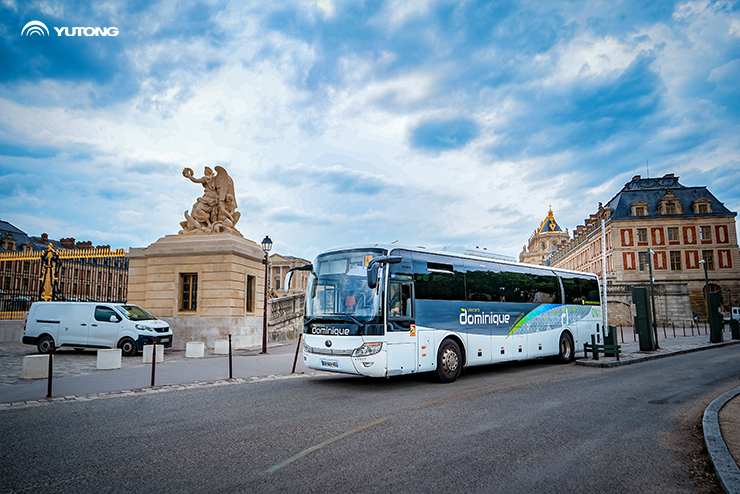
{"x":372,"y":365}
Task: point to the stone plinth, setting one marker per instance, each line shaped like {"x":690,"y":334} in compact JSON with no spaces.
{"x":35,"y":367}
{"x":221,"y":347}
{"x":230,"y":286}
{"x":147,"y":354}
{"x":109,"y":359}
{"x":195,"y":349}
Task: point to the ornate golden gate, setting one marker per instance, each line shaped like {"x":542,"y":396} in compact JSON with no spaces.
{"x":94,"y":275}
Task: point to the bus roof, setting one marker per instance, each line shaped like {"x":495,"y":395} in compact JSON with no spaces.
{"x":469,"y":254}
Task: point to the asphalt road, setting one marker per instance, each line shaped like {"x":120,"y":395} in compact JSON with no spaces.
{"x":524,"y":427}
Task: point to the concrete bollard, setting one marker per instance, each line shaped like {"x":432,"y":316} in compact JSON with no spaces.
{"x":109,"y":359}
{"x":221,"y":347}
{"x":35,"y":367}
{"x":195,"y":349}
{"x":148,"y":354}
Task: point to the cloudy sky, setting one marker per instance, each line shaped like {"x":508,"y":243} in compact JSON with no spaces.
{"x":431,"y":123}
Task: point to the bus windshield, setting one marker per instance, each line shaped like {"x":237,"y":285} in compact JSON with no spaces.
{"x":338,"y":286}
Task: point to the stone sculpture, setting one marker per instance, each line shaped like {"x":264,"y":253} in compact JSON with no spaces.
{"x":215,"y":212}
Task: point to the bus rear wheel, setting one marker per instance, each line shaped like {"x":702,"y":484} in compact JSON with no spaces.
{"x":449,"y":361}
{"x":566,"y":353}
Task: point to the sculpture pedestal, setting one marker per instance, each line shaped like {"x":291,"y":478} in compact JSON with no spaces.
{"x":228,"y":274}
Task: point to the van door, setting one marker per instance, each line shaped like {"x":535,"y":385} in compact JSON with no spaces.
{"x":103,"y":331}
{"x":75,"y":325}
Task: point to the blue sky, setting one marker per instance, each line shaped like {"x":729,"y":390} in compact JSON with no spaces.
{"x":430,"y":123}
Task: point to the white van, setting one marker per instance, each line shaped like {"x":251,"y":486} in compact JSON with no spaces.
{"x":93,"y":325}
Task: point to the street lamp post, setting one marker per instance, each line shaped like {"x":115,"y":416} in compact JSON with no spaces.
{"x":266,"y":246}
{"x":706,"y":286}
{"x":652,"y":296}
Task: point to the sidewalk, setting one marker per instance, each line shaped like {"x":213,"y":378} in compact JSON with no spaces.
{"x":668,"y":346}
{"x":76,"y":376}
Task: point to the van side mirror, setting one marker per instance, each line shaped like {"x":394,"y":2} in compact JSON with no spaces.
{"x":114,"y":319}
{"x":374,"y":265}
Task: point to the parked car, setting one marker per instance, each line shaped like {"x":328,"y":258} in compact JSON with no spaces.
{"x":93,"y":325}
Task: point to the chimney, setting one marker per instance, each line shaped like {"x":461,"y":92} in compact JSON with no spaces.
{"x":67,"y":243}
{"x":44,"y":237}
{"x":669,"y":175}
{"x":636,"y":177}
{"x":85,"y":245}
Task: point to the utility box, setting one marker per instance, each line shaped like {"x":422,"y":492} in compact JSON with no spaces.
{"x":643,"y":319}
{"x":611,"y":339}
{"x":716,"y":323}
{"x":735,"y":328}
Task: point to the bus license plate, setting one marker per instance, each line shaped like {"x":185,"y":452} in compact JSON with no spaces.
{"x":330,"y":363}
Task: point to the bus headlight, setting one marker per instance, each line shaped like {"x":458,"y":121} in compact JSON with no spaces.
{"x":367,"y":349}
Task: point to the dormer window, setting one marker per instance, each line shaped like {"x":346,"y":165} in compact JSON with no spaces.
{"x":9,"y":242}
{"x":669,"y":204}
{"x":639,"y":208}
{"x":702,"y":206}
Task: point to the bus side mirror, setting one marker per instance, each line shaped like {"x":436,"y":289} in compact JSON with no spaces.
{"x":374,"y":265}
{"x":289,"y":276}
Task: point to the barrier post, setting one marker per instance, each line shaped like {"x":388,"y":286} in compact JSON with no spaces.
{"x":51,"y":368}
{"x":300,"y":336}
{"x":231,"y":374}
{"x":154,"y":360}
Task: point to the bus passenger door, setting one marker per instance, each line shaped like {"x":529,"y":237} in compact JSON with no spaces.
{"x":401,"y":330}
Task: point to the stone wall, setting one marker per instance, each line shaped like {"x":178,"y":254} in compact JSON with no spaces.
{"x":11,"y":330}
{"x":672,"y":304}
{"x":285,"y":317}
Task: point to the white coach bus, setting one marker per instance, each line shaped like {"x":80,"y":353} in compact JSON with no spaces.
{"x":388,"y":310}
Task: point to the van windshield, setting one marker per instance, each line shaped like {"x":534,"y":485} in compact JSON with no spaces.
{"x":135,"y":313}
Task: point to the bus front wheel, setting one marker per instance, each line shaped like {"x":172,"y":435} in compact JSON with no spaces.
{"x":566,"y":354}
{"x":449,"y":361}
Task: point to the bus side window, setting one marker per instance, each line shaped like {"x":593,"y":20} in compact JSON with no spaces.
{"x":399,"y":300}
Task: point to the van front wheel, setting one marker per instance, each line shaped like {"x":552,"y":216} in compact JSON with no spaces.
{"x":44,"y":344}
{"x":128,"y":347}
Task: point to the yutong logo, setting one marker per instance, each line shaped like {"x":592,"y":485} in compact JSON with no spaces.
{"x":37,"y":27}
{"x":482,"y":318}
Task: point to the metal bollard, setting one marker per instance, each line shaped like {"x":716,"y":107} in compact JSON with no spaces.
{"x":664,"y":335}
{"x":51,"y":368}
{"x":674,"y":329}
{"x":231,"y":368}
{"x":295,"y":360}
{"x":154,"y":360}
{"x":622,"y":333}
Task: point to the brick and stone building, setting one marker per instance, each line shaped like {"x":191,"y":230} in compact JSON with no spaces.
{"x":678,"y":227}
{"x":278,"y":269}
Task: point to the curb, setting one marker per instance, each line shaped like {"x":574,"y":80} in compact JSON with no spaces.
{"x":724,"y":465}
{"x":644,"y":358}
{"x":143,"y":391}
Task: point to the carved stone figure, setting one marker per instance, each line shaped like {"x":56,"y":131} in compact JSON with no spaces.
{"x":215,"y":212}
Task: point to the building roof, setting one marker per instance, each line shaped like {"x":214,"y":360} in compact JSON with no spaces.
{"x":652,"y":190}
{"x":19,"y":235}
{"x":549,"y":225}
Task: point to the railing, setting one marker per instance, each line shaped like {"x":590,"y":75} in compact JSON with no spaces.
{"x":93,"y":275}
{"x":284,"y":309}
